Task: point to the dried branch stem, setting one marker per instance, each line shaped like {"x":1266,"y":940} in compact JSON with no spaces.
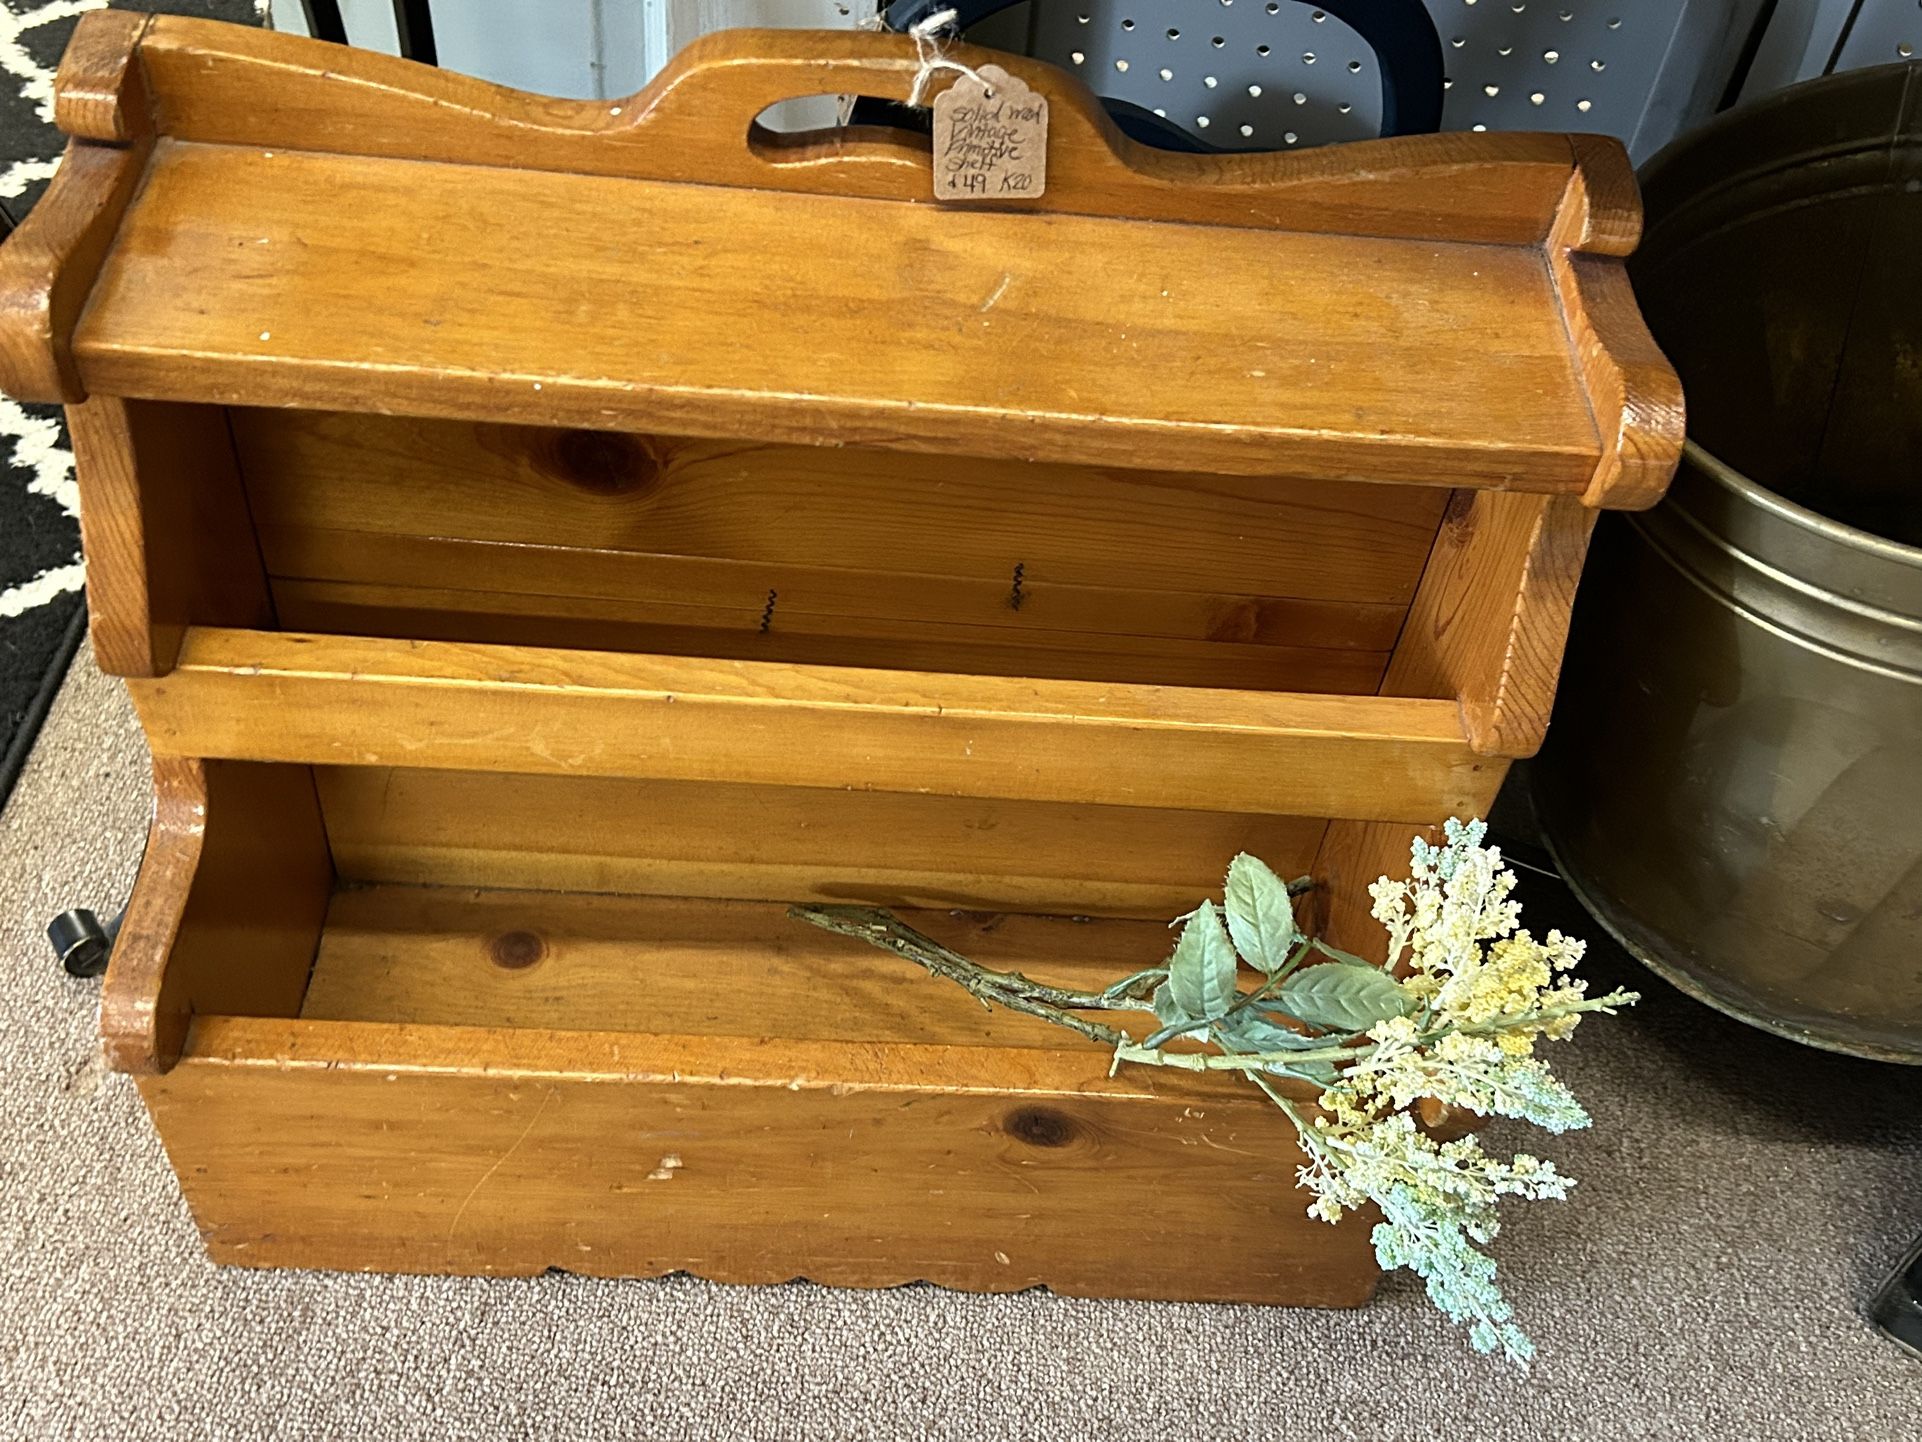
{"x":991,"y":988}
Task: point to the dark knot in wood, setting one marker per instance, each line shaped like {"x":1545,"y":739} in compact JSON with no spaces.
{"x":516,"y":950}
{"x":602,"y":463}
{"x":1040,"y":1126}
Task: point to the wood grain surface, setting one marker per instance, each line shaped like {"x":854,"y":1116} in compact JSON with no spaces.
{"x":695,"y":122}
{"x":166,"y":529}
{"x":766,"y":631}
{"x":48,"y":266}
{"x":455,"y":956}
{"x":1633,"y":391}
{"x":399,"y":480}
{"x":371,"y":1146}
{"x":782,"y":843}
{"x":1452,"y":304}
{"x":454,"y":531}
{"x":630,"y":304}
{"x":226,"y":913}
{"x":1491,"y":620}
{"x":347,"y":700}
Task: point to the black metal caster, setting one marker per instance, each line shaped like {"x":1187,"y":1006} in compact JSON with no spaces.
{"x":1897,"y":1308}
{"x":81,"y":942}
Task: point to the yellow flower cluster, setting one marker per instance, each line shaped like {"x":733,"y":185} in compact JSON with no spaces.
{"x":1453,"y":926}
{"x":1507,"y":979}
{"x":1477,"y":991}
{"x":1511,"y":989}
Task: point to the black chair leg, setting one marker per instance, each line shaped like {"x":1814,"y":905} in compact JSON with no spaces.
{"x":81,"y":942}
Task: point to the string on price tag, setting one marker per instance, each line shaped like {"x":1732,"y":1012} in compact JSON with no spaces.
{"x":990,"y":129}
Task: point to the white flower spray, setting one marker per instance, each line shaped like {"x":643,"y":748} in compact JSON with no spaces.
{"x":1454,"y":1017}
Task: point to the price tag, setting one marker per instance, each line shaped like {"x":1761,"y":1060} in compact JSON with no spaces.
{"x":990,"y":139}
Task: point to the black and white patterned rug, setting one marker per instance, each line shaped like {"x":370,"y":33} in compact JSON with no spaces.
{"x":41,"y":573}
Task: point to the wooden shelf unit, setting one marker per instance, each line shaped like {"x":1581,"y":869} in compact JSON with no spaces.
{"x":542,"y":537}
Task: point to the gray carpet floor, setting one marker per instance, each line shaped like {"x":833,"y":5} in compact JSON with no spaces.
{"x":1740,"y":1199}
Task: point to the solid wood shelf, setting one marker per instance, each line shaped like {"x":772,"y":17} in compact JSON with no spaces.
{"x":545,"y":538}
{"x":269,"y":696}
{"x":678,"y":966}
{"x":509,"y":1082}
{"x":258,"y":279}
{"x":1424,"y":311}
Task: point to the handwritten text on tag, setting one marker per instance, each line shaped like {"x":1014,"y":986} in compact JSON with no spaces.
{"x":990,"y":142}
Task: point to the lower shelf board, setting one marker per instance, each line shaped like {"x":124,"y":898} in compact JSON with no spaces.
{"x":487,"y":1082}
{"x":450,"y":956}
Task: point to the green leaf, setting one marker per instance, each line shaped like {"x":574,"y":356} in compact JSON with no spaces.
{"x":1341,"y":996}
{"x":1261,"y":915}
{"x":1317,"y":1071}
{"x":1248,"y":1030}
{"x":1338,"y":954}
{"x":1201,"y":973}
{"x":1174,"y":1021}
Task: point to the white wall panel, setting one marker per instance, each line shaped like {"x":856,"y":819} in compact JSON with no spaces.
{"x":371,"y":24}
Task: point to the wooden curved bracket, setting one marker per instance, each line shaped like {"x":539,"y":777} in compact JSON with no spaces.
{"x":1634,"y":393}
{"x":143,"y":1014}
{"x":100,"y":92}
{"x":166,"y":528}
{"x":48,"y":265}
{"x":226,"y":912}
{"x":1491,"y":618}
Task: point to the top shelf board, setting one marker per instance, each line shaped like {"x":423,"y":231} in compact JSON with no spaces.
{"x":264,"y":220}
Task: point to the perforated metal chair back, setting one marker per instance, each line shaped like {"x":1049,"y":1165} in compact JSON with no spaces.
{"x":1206,"y":77}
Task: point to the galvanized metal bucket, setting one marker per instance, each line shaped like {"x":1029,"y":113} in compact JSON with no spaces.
{"x":1733,"y":779}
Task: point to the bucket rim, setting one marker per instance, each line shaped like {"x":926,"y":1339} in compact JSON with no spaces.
{"x":1756,"y":494}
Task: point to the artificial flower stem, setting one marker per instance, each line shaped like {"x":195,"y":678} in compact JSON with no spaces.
{"x":1274,"y":981}
{"x":1253,"y":1063}
{"x":1495,"y":1024}
{"x":1003,"y":988}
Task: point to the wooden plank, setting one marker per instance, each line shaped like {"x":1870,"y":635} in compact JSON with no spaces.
{"x":1634,"y":393}
{"x":1491,"y":620}
{"x":1449,"y":365}
{"x":359,"y":1146}
{"x":681,"y":838}
{"x":166,"y":530}
{"x":770,"y":632}
{"x":838,"y":509}
{"x":1489,"y":626}
{"x":236,"y":861}
{"x":333,"y":700}
{"x":453,"y":956}
{"x":827,"y":594}
{"x":48,"y":267}
{"x":100,"y":90}
{"x":246,"y":87}
{"x":1353,"y":855}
